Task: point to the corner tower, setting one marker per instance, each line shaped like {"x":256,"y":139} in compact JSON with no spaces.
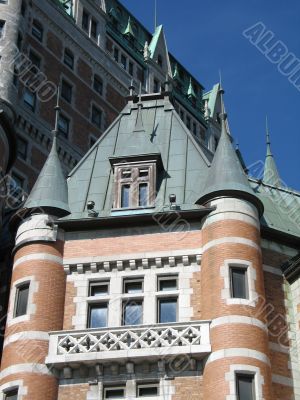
{"x":37,"y":287}
{"x":232,"y":285}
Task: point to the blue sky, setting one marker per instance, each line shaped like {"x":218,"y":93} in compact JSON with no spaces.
{"x":207,"y":36}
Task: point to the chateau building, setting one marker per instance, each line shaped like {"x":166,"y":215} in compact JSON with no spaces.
{"x":156,"y":270}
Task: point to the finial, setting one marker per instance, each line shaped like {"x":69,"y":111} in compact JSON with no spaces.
{"x":223,"y":115}
{"x":267,"y":131}
{"x":155,"y":14}
{"x":131,"y":88}
{"x":140,"y":103}
{"x":220,"y":78}
{"x":57,"y":111}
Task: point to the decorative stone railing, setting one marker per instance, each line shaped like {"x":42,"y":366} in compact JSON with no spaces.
{"x":134,"y":342}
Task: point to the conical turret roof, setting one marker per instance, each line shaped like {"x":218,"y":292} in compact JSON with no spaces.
{"x":226,"y":175}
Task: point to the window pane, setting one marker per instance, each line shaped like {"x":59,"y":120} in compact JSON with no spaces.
{"x":11,"y":395}
{"x":29,"y":99}
{"x":238,"y":283}
{"x":98,"y":84}
{"x":143,"y":195}
{"x":125,"y":196}
{"x":245,"y":387}
{"x":167,"y":310}
{"x":94,"y":26}
{"x":98,"y":316}
{"x":63,"y":125}
{"x":114,"y":393}
{"x":22,"y":147}
{"x":37,"y":30}
{"x":133,"y":287}
{"x":96,"y":116}
{"x":98,"y":289}
{"x":66,"y":91}
{"x":69,"y":58}
{"x":145,"y":391}
{"x":167,"y":284}
{"x":85,"y":20}
{"x":133,"y":312}
{"x":21,"y":300}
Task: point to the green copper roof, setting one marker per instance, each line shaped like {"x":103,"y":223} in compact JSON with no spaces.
{"x":154,"y":42}
{"x":226,"y":175}
{"x":271,"y":175}
{"x":129,"y":30}
{"x":191,"y":91}
{"x":50,"y":190}
{"x":212,"y":97}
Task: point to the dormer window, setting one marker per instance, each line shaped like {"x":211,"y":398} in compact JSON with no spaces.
{"x":135,"y":185}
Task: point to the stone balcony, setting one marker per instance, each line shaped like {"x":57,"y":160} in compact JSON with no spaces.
{"x":135,"y":343}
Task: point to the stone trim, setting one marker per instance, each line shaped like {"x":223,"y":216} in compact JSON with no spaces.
{"x":251,"y":278}
{"x":230,"y":240}
{"x":38,"y":257}
{"x":230,"y":377}
{"x":282,"y":380}
{"x":32,"y":368}
{"x":26,"y":335}
{"x":14,"y":385}
{"x":137,"y":261}
{"x":238,"y":319}
{"x":272,"y":270}
{"x":238,"y":352}
{"x":31,"y":307}
{"x":278,"y":348}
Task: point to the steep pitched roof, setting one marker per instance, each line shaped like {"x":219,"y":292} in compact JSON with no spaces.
{"x":158,"y":46}
{"x":163,"y":134}
{"x":226,"y":175}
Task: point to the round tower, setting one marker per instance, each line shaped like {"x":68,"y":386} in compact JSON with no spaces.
{"x":232,"y":286}
{"x":36,"y":304}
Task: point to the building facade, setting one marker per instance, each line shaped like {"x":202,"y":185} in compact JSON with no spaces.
{"x":156,"y":270}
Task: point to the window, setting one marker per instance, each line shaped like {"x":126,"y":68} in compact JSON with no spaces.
{"x":133,"y":286}
{"x":188,"y":122}
{"x":85,"y":20}
{"x":94,"y":28}
{"x":116,"y":54}
{"x":18,"y":181}
{"x":123,"y":61}
{"x":147,"y":390}
{"x":21,"y":302}
{"x":19,"y":41}
{"x":37,"y":30}
{"x":167,"y":283}
{"x":63,"y":125}
{"x":99,"y":289}
{"x":98,"y":84}
{"x":98,"y":315}
{"x":132,"y":312}
{"x":182,"y":115}
{"x":245,"y":387}
{"x":96,"y":116}
{"x":11,"y":394}
{"x":23,"y":8}
{"x":130,"y":68}
{"x":160,"y":60}
{"x":114,"y":393}
{"x":239,"y":285}
{"x":156,"y":86}
{"x":2,"y":25}
{"x":29,"y":99}
{"x":134,"y":186}
{"x":22,"y":147}
{"x":167,"y":310}
{"x":194,"y":128}
{"x":35,"y":59}
{"x":69,"y":58}
{"x":66,"y":91}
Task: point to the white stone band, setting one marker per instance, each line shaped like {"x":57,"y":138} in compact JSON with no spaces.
{"x":24,"y":336}
{"x":38,"y":257}
{"x":230,"y":240}
{"x":238,"y":319}
{"x":33,"y":368}
{"x":238,"y":352}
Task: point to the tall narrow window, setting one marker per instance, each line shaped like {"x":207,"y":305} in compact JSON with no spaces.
{"x":123,"y":61}
{"x":116,"y":54}
{"x":96,"y":116}
{"x":21,"y":301}
{"x":63,"y":125}
{"x":98,"y":84}
{"x":98,"y":315}
{"x":66,"y":91}
{"x":130,"y":68}
{"x":94,"y":28}
{"x":29,"y":99}
{"x":245,"y":387}
{"x":2,"y":25}
{"x":239,"y":284}
{"x":69,"y":58}
{"x":22,"y":147}
{"x":143,"y":195}
{"x":125,"y":196}
{"x":11,"y":394}
{"x":85,"y":20}
{"x":132,"y":312}
{"x":167,"y":310}
{"x":37,"y":30}
{"x":23,"y":8}
{"x":156,"y":86}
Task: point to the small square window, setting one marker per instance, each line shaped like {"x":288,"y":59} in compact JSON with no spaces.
{"x":167,"y":310}
{"x":114,"y":393}
{"x":37,"y":30}
{"x":85,"y":20}
{"x":239,"y":284}
{"x":133,"y":286}
{"x":21,"y":300}
{"x":66,"y":91}
{"x":245,"y":387}
{"x":94,"y":28}
{"x":98,"y":84}
{"x":147,"y":390}
{"x":167,"y":283}
{"x":99,"y":288}
{"x":22,"y":147}
{"x":29,"y":99}
{"x":11,"y":394}
{"x":98,"y":314}
{"x":2,"y":25}
{"x":63,"y":125}
{"x":69,"y":58}
{"x":96,"y":116}
{"x":132,"y":312}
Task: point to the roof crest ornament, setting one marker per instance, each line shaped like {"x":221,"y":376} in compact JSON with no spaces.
{"x":139,"y":126}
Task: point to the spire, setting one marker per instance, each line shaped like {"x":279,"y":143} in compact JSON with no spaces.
{"x":226,"y":176}
{"x":50,"y":191}
{"x":271,"y":175}
{"x":191,"y":92}
{"x":129,"y":31}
